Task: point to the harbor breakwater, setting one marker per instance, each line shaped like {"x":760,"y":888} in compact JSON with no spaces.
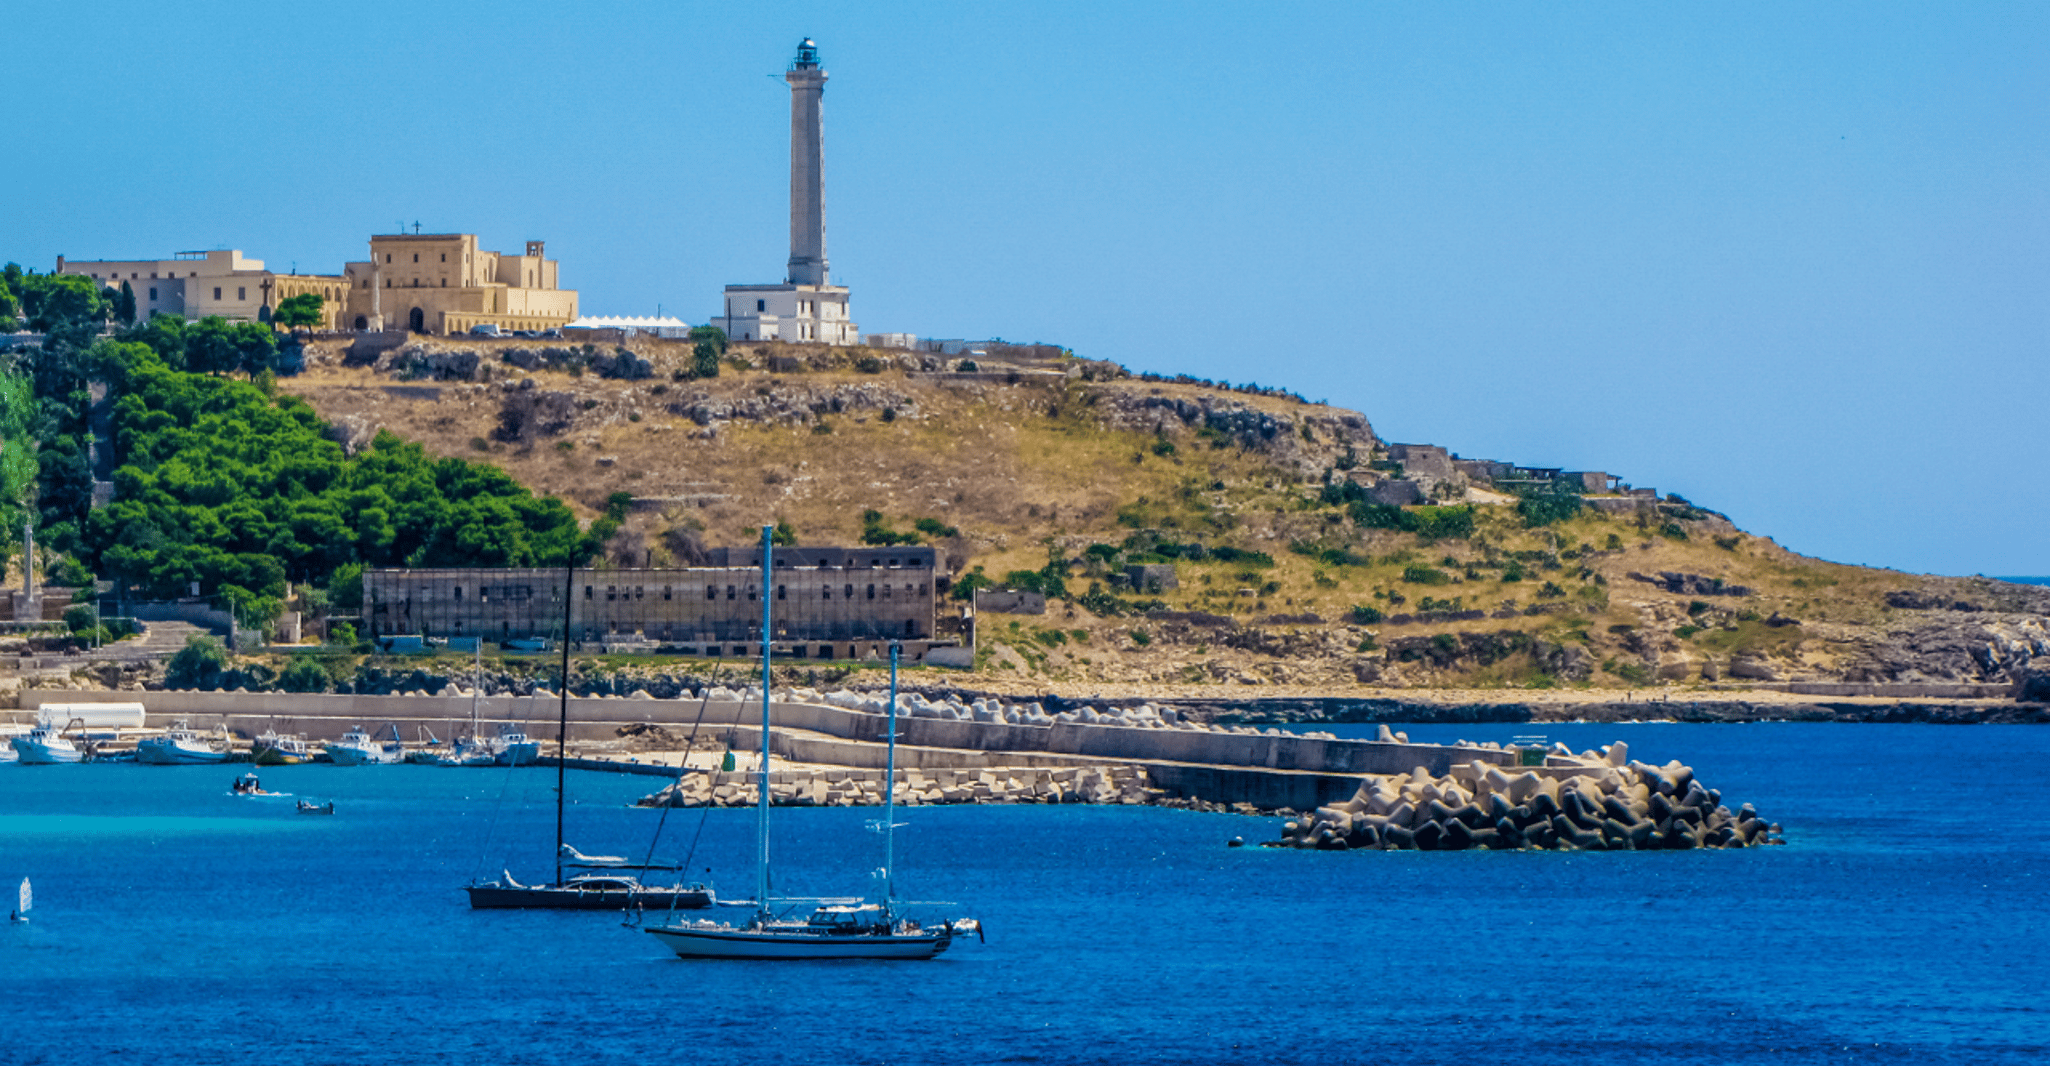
{"x":988,"y":750}
{"x":1593,"y":801}
{"x":864,"y":788}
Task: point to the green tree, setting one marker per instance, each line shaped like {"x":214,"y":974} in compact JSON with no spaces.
{"x":785,"y":534}
{"x":67,"y":306}
{"x":124,"y":305}
{"x":299,"y":311}
{"x":198,"y":665}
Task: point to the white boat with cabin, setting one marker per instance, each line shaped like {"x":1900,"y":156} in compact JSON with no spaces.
{"x":180,"y":746}
{"x":45,"y":745}
{"x":358,"y":748}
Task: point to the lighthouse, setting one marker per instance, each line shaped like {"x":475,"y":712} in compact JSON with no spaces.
{"x":807,"y":307}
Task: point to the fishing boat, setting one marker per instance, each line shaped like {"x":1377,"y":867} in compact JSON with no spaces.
{"x":619,"y":887}
{"x":276,"y":749}
{"x":179,"y":746}
{"x":835,"y":929}
{"x":358,"y":748}
{"x":310,"y":807}
{"x":45,"y":745}
{"x":514,"y":749}
{"x":27,"y":899}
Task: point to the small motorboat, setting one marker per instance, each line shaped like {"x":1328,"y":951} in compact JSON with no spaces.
{"x":249,"y":785}
{"x":276,"y":749}
{"x":46,"y":746}
{"x":179,"y":746}
{"x":309,"y":807}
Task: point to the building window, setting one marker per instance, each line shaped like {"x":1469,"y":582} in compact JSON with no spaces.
{"x":637,"y":592}
{"x":850,"y":592}
{"x":780,"y":593}
{"x":416,"y":257}
{"x":217,"y":293}
{"x":871,"y":592}
{"x":459,"y":593}
{"x":241,"y":293}
{"x":444,"y":257}
{"x":587,"y":592}
{"x":828,"y":590}
{"x":665,"y":592}
{"x":729,"y":592}
{"x":611,"y":593}
{"x":711,"y":592}
{"x":760,"y":305}
{"x":153,"y":292}
{"x":886,"y":592}
{"x":750,"y":593}
{"x":387,"y":257}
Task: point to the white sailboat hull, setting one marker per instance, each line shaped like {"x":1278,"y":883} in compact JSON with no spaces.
{"x":36,"y":751}
{"x":727,"y":942}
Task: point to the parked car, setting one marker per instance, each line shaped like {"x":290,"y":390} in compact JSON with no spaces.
{"x":486,"y":329}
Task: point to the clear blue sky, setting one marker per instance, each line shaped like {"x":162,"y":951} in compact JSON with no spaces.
{"x":1787,"y":260}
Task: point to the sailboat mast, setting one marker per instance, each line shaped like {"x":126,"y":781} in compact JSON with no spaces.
{"x":890,"y":790}
{"x":762,"y":789}
{"x":569,"y":584}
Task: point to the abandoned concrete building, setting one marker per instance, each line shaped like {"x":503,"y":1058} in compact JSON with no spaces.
{"x":830,"y":603}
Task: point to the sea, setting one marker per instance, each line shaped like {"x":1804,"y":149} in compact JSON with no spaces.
{"x":1903,"y":922}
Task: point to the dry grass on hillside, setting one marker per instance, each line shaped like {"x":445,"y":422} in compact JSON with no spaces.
{"x":1019,"y":467}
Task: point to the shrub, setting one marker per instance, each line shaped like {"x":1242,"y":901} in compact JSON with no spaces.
{"x":198,"y":665}
{"x":1614,"y":543}
{"x":1546,"y":508}
{"x":933,"y":527}
{"x":1141,"y":637}
{"x":967,"y":366}
{"x":1417,"y":574}
{"x":303,"y":675}
{"x":80,"y":617}
{"x":1365,"y":615}
{"x":868,"y":364}
{"x":1673,"y":531}
{"x":1728,"y":544}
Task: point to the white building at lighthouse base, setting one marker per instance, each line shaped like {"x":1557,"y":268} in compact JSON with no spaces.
{"x":798,"y":314}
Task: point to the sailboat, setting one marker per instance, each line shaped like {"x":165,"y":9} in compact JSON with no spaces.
{"x":20,"y":912}
{"x":835,"y":929}
{"x":618,"y":886}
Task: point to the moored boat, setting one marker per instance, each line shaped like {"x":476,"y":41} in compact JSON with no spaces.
{"x":179,"y":746}
{"x":358,"y":748}
{"x":835,"y":929}
{"x":45,"y":745}
{"x":586,"y":892}
{"x":276,"y":749}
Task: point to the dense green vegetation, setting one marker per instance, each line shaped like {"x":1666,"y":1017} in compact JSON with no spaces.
{"x":220,"y":483}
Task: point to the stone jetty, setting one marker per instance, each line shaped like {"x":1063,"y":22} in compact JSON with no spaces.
{"x":843,"y":787}
{"x":1593,"y":801}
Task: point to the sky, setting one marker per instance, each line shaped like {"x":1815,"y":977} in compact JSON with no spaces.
{"x":1788,"y":261}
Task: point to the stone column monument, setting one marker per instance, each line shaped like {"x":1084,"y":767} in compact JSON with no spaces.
{"x":807,"y":168}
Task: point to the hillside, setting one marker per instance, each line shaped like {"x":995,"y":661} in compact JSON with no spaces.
{"x":1073,"y":471}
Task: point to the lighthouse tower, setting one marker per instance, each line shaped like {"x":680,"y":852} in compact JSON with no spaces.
{"x":806,"y":307}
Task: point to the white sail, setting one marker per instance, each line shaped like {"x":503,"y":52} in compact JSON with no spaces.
{"x":27,"y":897}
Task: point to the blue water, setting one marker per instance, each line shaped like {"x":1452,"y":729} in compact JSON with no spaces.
{"x":2026,"y":580}
{"x":1904,"y":924}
